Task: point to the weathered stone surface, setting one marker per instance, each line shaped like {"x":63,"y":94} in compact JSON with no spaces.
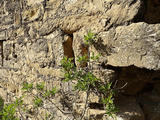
{"x":2,"y":35}
{"x":33,"y":2}
{"x":33,"y":13}
{"x":95,"y":114}
{"x":40,"y":32}
{"x":70,"y":16}
{"x":136,"y":44}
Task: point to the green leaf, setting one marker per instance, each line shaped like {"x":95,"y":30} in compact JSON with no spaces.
{"x":27,"y":86}
{"x":40,"y":86}
{"x":46,"y":94}
{"x":19,"y":102}
{"x":38,"y":102}
{"x":89,"y":38}
{"x":9,"y":112}
{"x":53,"y":91}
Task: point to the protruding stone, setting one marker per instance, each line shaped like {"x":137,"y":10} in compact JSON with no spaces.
{"x":2,"y":35}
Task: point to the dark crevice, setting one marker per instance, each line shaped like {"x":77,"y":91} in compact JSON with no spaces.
{"x":96,"y":106}
{"x":14,"y":53}
{"x":2,"y":52}
{"x":135,"y":77}
{"x":141,"y":106}
{"x":144,"y":81}
{"x":68,"y":47}
{"x":148,"y":12}
{"x":142,"y":84}
{"x":133,"y":2}
{"x":131,"y":67}
{"x":147,"y":88}
{"x":84,"y":52}
{"x":141,"y":100}
{"x":140,"y":15}
{"x":156,"y":80}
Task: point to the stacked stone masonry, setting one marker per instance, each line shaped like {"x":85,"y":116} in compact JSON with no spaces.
{"x":35,"y":35}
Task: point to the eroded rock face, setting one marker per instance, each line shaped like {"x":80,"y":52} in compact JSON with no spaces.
{"x":136,"y":44}
{"x":36,"y":34}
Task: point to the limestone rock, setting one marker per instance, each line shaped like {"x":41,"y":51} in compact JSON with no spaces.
{"x":2,"y":35}
{"x":3,"y":94}
{"x":136,"y":44}
{"x":39,"y":33}
{"x":70,"y":16}
{"x":33,"y":13}
{"x":33,"y":2}
{"x":95,"y":114}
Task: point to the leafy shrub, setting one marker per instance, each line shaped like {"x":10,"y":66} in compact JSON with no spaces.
{"x":8,"y":112}
{"x":86,"y":80}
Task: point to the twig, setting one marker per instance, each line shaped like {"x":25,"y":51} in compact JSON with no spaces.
{"x":86,"y":104}
{"x":122,"y":86}
{"x":64,"y":112}
{"x":20,"y":113}
{"x":115,"y":84}
{"x":41,"y":116}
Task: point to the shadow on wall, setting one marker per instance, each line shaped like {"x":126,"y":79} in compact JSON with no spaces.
{"x":137,"y":78}
{"x":149,"y":12}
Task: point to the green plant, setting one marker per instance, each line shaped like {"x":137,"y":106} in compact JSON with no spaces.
{"x":95,"y":57}
{"x":49,"y":93}
{"x":1,"y":103}
{"x":68,"y":68}
{"x":40,"y":86}
{"x":86,"y":80}
{"x":53,"y":91}
{"x":8,"y":112}
{"x":89,"y":38}
{"x":83,"y":78}
{"x":38,"y":102}
{"x":27,"y":86}
{"x":18,"y":102}
{"x":109,"y":105}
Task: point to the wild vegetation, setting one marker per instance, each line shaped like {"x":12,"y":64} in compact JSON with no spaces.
{"x":83,"y":79}
{"x":86,"y":80}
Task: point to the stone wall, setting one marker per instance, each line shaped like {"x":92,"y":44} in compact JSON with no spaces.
{"x":36,"y":34}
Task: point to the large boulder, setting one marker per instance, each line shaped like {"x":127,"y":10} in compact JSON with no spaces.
{"x":136,"y":44}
